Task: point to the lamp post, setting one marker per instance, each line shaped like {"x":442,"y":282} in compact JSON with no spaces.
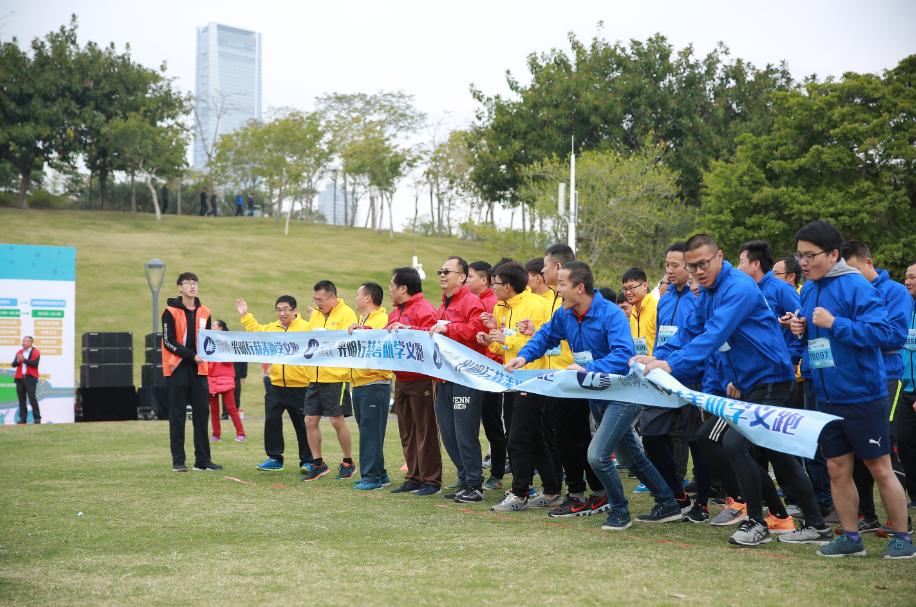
{"x":155,"y":272}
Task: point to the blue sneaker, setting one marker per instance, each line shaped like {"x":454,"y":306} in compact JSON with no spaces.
{"x":345,"y":471}
{"x":385,"y":480}
{"x":316,"y":472}
{"x":617,"y":521}
{"x":427,"y":489}
{"x":899,"y":548}
{"x":367,"y":485}
{"x":640,"y":488}
{"x":662,"y":514}
{"x":532,"y":493}
{"x":305,"y":468}
{"x":842,"y":546}
{"x":455,"y":486}
{"x":271,"y":465}
{"x":406,"y":488}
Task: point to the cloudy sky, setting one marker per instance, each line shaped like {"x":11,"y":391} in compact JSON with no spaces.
{"x":435,"y":51}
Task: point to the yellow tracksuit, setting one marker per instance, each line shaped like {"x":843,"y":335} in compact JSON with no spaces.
{"x":288,"y":376}
{"x":564,"y":358}
{"x":340,"y":318}
{"x":508,"y":313}
{"x":360,"y":377}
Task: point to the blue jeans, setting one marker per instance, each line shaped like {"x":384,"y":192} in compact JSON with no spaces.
{"x":370,"y":405}
{"x":615,"y":435}
{"x":817,"y":467}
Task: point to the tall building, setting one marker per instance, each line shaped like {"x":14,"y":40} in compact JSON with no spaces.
{"x":331,"y":208}
{"x":228,"y":75}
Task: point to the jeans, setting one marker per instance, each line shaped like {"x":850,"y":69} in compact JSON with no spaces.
{"x":528,"y":446}
{"x":615,"y":435}
{"x":185,"y":388}
{"x":817,"y":467}
{"x":458,"y":414}
{"x":370,"y":405}
{"x":291,"y":400}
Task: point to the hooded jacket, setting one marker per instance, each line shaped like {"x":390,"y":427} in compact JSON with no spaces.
{"x":461,"y":316}
{"x":287,"y":376}
{"x":221,"y":377}
{"x":909,"y":356}
{"x":338,"y":319}
{"x":733,"y":323}
{"x":783,"y":298}
{"x":899,"y":305}
{"x":508,"y":313}
{"x":859,"y":331}
{"x":674,"y":309}
{"x":603,"y":332}
{"x":419,"y":315}
{"x":557,"y":358}
{"x":377,"y":319}
{"x":489,"y":300}
{"x":643,"y":321}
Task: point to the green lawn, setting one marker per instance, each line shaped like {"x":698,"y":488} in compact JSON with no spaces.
{"x":151,"y":536}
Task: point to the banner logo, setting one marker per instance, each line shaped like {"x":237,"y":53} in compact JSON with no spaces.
{"x":209,"y":346}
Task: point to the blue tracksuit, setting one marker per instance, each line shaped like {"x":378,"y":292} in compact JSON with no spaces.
{"x":604,"y":332}
{"x":782,"y":297}
{"x":909,"y":356}
{"x":674,"y":309}
{"x":899,"y":305}
{"x":732,"y":317}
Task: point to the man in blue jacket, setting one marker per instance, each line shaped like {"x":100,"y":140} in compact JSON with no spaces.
{"x":906,"y":409}
{"x":599,"y":336}
{"x":844,"y":326}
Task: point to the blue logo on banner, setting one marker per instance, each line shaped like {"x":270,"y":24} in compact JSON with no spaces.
{"x":437,"y":356}
{"x":209,"y":346}
{"x":310,"y":349}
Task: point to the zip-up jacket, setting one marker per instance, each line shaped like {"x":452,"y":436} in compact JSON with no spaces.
{"x":524,"y":305}
{"x":31,"y":366}
{"x":909,"y":357}
{"x":563,"y":357}
{"x":339,"y":318}
{"x":461,"y":313}
{"x":221,"y":377}
{"x":899,"y":305}
{"x":673,"y":310}
{"x":418,"y":314}
{"x":288,"y":376}
{"x":643,"y":320}
{"x":603,"y":332}
{"x":179,"y":334}
{"x":377,"y":319}
{"x":733,"y":323}
{"x":782,"y":298}
{"x":856,"y":337}
{"x":489,"y":300}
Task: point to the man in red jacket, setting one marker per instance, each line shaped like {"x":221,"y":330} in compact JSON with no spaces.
{"x":26,"y":378}
{"x":414,"y":394}
{"x":458,"y":407}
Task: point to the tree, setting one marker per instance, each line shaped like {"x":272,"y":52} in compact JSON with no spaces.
{"x":237,"y":162}
{"x":212,"y":108}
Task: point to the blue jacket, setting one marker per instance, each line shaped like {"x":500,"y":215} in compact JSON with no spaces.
{"x":604,"y":331}
{"x":711,"y":383}
{"x":674,"y":309}
{"x":782,"y":297}
{"x":856,"y":338}
{"x":899,"y":305}
{"x":734,"y":312}
{"x":909,"y":357}
{"x":239,"y":201}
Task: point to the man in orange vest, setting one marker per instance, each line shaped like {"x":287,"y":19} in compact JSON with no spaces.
{"x":26,"y":363}
{"x":186,"y":373}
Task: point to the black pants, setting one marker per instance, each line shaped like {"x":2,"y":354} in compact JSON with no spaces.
{"x":905,"y":417}
{"x":508,"y":408}
{"x":291,"y":400}
{"x":661,"y":456}
{"x":165,"y":206}
{"x":186,"y":387}
{"x":709,"y":439}
{"x":573,"y":434}
{"x":204,"y":209}
{"x":491,"y":414}
{"x":528,"y":447}
{"x":238,"y":210}
{"x":24,"y":389}
{"x":549,"y":422}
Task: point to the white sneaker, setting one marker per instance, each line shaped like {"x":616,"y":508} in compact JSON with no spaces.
{"x":511,"y":503}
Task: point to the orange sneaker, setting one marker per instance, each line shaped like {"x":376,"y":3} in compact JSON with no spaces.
{"x":780,"y":525}
{"x":732,"y":514}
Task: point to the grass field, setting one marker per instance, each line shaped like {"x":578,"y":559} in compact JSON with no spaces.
{"x":149,"y":536}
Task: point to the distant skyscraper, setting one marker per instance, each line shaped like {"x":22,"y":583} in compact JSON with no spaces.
{"x":333,"y":210}
{"x":229,"y":72}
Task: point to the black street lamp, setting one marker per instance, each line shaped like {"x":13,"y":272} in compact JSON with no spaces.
{"x":155,"y":272}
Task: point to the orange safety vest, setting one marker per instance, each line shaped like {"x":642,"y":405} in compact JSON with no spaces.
{"x":171,"y":360}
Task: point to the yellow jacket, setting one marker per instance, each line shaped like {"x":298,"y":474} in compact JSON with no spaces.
{"x":524,"y":305}
{"x":288,"y":376}
{"x":564,"y":358}
{"x":642,"y":321}
{"x":360,"y":377}
{"x":340,"y":318}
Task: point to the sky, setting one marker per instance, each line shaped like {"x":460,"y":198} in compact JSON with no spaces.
{"x":437,"y":50}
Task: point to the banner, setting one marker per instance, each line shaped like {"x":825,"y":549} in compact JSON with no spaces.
{"x":789,"y":430}
{"x":38,"y":298}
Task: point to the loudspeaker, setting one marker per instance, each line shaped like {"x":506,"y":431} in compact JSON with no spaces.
{"x":108,"y":340}
{"x":154,"y":341}
{"x":151,"y":376}
{"x":106,"y":376}
{"x":108,"y":404}
{"x":154,"y":357}
{"x":108,"y":356}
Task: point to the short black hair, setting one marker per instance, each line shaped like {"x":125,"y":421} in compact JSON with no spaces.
{"x":374,"y":291}
{"x":562,"y":253}
{"x":792,"y":267}
{"x":822,"y":234}
{"x":462,"y":264}
{"x":186,"y":276}
{"x":534,"y":266}
{"x":223,"y":324}
{"x":580,"y":274}
{"x":621,"y":298}
{"x":678,"y":247}
{"x":698,"y":240}
{"x":325,"y":285}
{"x":515,"y":274}
{"x":759,"y":250}
{"x":287,"y":299}
{"x":407,"y":277}
{"x":637,"y":274}
{"x":29,"y":336}
{"x":496,"y":265}
{"x":857,"y":249}
{"x":482,"y":267}
{"x":608,"y":293}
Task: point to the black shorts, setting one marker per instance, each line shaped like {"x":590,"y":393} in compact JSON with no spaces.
{"x":661,"y":421}
{"x":864,"y":429}
{"x":328,"y":400}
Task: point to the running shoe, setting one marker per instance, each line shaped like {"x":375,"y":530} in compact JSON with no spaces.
{"x":807,"y":535}
{"x":662,"y":514}
{"x":427,"y":489}
{"x":511,"y":503}
{"x":240,"y":438}
{"x":209,"y":466}
{"x":778,"y":526}
{"x":542,"y":501}
{"x":270,"y":465}
{"x":179,"y":468}
{"x":684,"y":504}
{"x":215,"y":439}
{"x":751,"y":533}
{"x":493,"y":484}
{"x":471,"y":495}
{"x":367,"y":485}
{"x":899,"y":548}
{"x":617,"y":521}
{"x":887,"y":531}
{"x":316,"y":472}
{"x":572,"y":506}
{"x":690,"y":486}
{"x":406,"y":488}
{"x":732,"y":513}
{"x":598,"y":503}
{"x":305,"y":468}
{"x":866,"y":525}
{"x":458,"y":485}
{"x":697,"y":514}
{"x":842,"y":545}
{"x":640,"y":488}
{"x":345,"y":470}
{"x":487,"y":464}
{"x":453,"y":494}
{"x":794,"y":511}
{"x":385,"y":480}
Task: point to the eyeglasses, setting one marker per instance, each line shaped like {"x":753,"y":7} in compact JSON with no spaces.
{"x":702,"y":265}
{"x":282,"y":310}
{"x":190,"y":284}
{"x":446,"y":272}
{"x":631,"y":289}
{"x":780,"y":273}
{"x":499,"y":283}
{"x":319,"y":302}
{"x":807,"y":257}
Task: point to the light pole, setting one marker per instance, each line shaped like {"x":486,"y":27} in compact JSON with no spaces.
{"x":155,"y":272}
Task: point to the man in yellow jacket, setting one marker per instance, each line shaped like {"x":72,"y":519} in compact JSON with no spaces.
{"x":371,"y":394}
{"x":645,"y":308}
{"x":328,"y":393}
{"x":287,"y":387}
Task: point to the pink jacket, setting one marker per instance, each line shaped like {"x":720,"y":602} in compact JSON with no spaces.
{"x":221,"y":377}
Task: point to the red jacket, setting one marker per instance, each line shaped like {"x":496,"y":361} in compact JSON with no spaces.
{"x":31,"y":366}
{"x":221,"y":377}
{"x":462,"y":314}
{"x":420,"y":315}
{"x":489,"y":300}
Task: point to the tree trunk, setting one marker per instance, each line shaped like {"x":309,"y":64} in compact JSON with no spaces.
{"x":104,"y":203}
{"x":523,"y":219}
{"x":390,"y":217}
{"x":152,"y":190}
{"x":371,"y":213}
{"x":178,"y":187}
{"x":346,"y":223}
{"x":24,"y":186}
{"x":279,"y":206}
{"x":416,"y":210}
{"x":133,"y":195}
{"x":288,"y":215}
{"x":432,"y":207}
{"x":381,"y":213}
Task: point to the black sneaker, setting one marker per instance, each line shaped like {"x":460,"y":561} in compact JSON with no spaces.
{"x":451,"y":496}
{"x":427,"y":489}
{"x":684,"y":504}
{"x":179,"y":468}
{"x":406,"y":488}
{"x":691,"y":487}
{"x":573,"y":506}
{"x":698,"y":514}
{"x":208,"y":466}
{"x":598,"y":504}
{"x":631,"y":475}
{"x":721,"y":498}
{"x":471,"y":495}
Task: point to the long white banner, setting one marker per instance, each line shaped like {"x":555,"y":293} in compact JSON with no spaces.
{"x":787,"y":430}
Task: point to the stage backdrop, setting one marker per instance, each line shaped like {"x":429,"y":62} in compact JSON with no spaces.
{"x":38,"y":298}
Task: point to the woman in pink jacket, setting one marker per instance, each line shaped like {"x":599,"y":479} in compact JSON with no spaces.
{"x":221,"y":377}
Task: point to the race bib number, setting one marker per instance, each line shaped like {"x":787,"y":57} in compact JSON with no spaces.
{"x":443,"y":322}
{"x":910,"y":341}
{"x":725,"y":347}
{"x":553,"y":352}
{"x":642,"y":347}
{"x":583,"y":359}
{"x":819,"y":354}
{"x":666,"y":332}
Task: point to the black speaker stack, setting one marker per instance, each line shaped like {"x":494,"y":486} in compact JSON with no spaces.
{"x":108,"y":360}
{"x":151,"y":374}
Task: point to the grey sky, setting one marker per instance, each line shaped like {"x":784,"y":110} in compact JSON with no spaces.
{"x":436,"y":50}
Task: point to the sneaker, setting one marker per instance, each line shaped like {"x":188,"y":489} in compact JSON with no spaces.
{"x":345,"y":470}
{"x":778,"y":526}
{"x":532,"y":492}
{"x":179,"y":468}
{"x":493,"y":484}
{"x":452,"y":495}
{"x":911,"y":505}
{"x":794,"y":511}
{"x":215,"y":439}
{"x":367,"y":485}
{"x":732,"y":513}
{"x":406,"y":488}
{"x":751,"y":533}
{"x":224,"y":416}
{"x":385,"y":480}
{"x":899,"y":548}
{"x":427,"y":489}
{"x":271,"y":465}
{"x":830,"y":516}
{"x":471,"y":495}
{"x":842,"y":546}
{"x":572,"y":506}
{"x":640,"y":488}
{"x":697,"y":514}
{"x":305,"y":468}
{"x":240,"y":438}
{"x":690,"y":486}
{"x":597,"y":503}
{"x":807,"y":535}
{"x":721,"y":498}
{"x":866,"y":525}
{"x":662,"y":514}
{"x":208,"y":466}
{"x":617,"y":521}
{"x":457,"y":485}
{"x":887,"y":531}
{"x":631,"y":474}
{"x":316,"y":472}
{"x":542,"y":501}
{"x":511,"y":503}
{"x":487,"y":464}
{"x":684,"y":504}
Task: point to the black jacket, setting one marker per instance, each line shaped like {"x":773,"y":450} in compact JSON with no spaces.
{"x":165,"y":195}
{"x":188,"y":350}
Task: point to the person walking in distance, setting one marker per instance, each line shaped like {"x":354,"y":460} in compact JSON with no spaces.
{"x":165,"y":198}
{"x":204,"y":207}
{"x":239,"y":204}
{"x":26,"y":378}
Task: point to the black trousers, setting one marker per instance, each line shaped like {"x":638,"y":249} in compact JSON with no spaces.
{"x":24,"y":389}
{"x":291,"y":400}
{"x":186,"y":387}
{"x":573,"y":434}
{"x":491,"y":414}
{"x":528,"y":447}
{"x":238,"y":210}
{"x":905,"y":418}
{"x":204,"y":209}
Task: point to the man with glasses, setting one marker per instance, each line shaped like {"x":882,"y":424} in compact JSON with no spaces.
{"x":787,"y":270}
{"x":645,"y":308}
{"x":287,"y":387}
